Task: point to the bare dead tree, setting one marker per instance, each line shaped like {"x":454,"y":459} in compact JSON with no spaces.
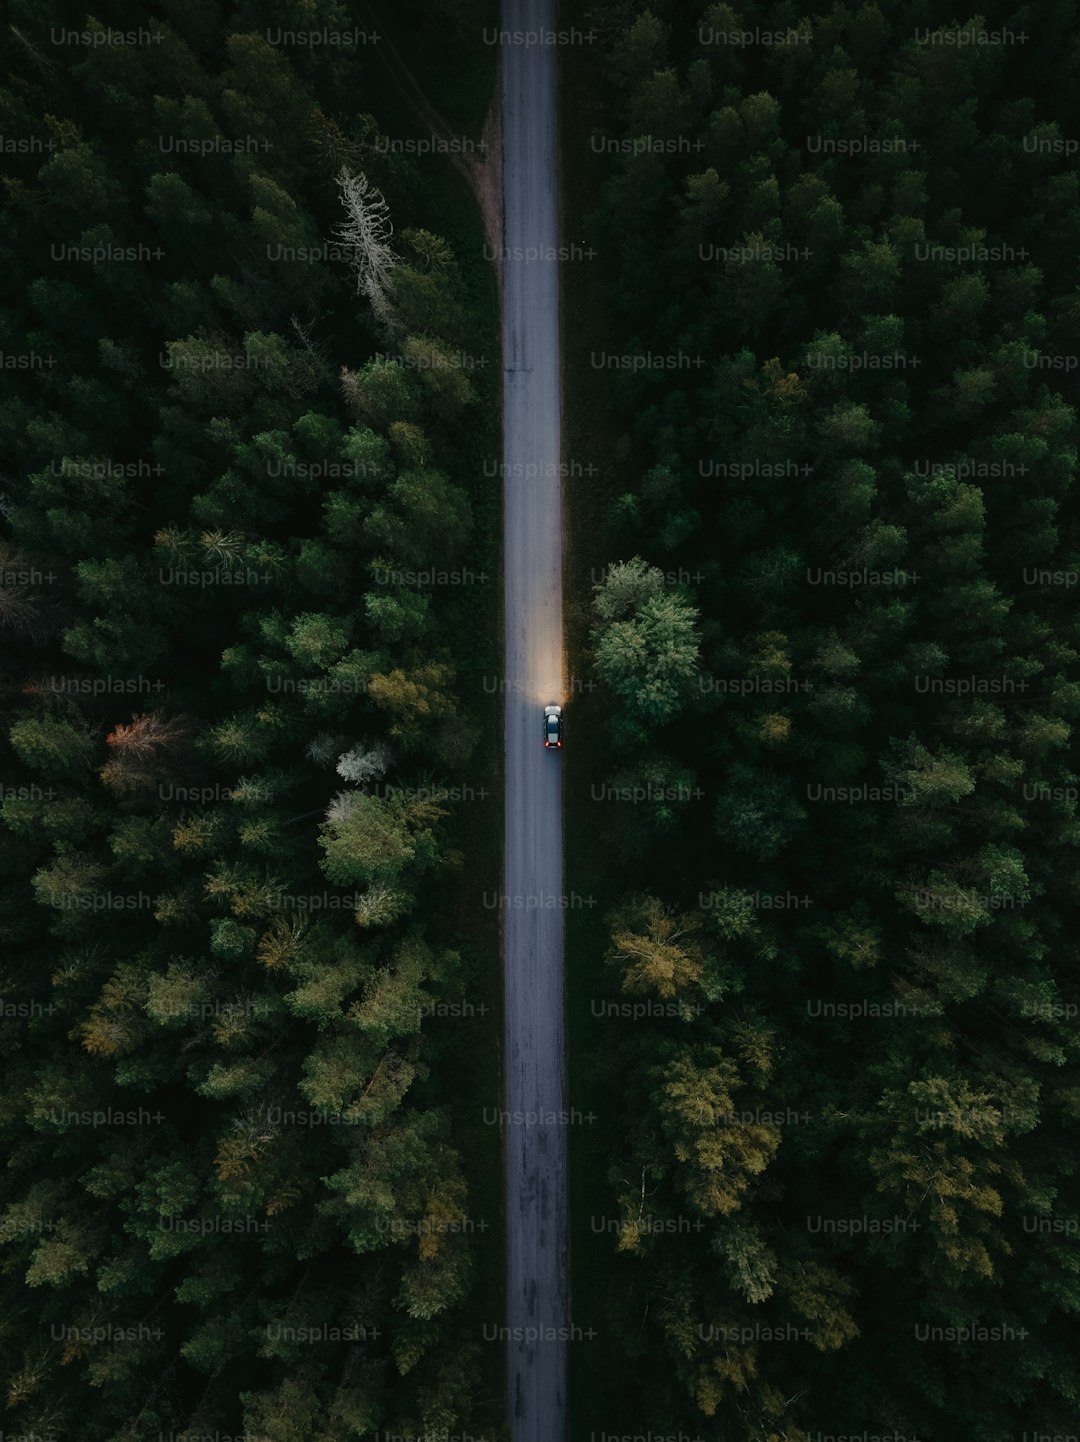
{"x":366,"y":234}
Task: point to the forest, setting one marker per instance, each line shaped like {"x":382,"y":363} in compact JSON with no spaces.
{"x":828,"y":372}
{"x":248,"y":598}
{"x":821,"y":310}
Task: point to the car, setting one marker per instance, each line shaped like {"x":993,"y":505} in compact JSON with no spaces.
{"x":552,"y":726}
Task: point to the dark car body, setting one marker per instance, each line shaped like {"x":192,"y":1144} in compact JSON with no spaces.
{"x":552,"y":727}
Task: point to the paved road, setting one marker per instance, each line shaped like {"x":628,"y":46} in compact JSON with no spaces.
{"x":533,"y":879}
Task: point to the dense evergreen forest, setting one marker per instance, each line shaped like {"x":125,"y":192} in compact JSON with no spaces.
{"x":821,"y":769}
{"x":833,"y":321}
{"x":248,"y":591}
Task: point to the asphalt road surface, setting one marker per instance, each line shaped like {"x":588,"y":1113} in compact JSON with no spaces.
{"x":535,"y":1145}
